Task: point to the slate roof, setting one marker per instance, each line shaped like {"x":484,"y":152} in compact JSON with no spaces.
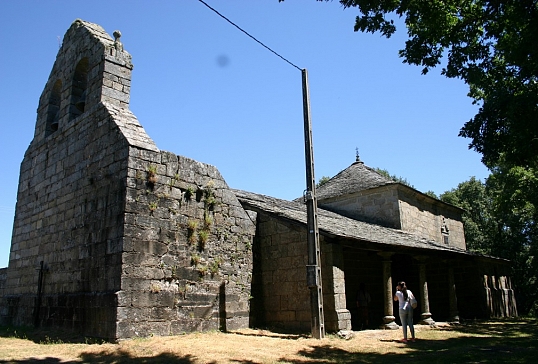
{"x":337,"y":226}
{"x":357,"y":177}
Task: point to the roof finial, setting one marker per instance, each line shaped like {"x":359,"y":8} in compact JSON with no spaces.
{"x":117,"y":42}
{"x":357,"y":159}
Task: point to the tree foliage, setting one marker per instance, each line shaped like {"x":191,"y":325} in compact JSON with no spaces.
{"x":393,"y":177}
{"x":491,"y":45}
{"x":515,"y":205}
{"x":431,"y":194}
{"x":500,"y":220}
{"x":322,"y":181}
{"x":478,"y":222}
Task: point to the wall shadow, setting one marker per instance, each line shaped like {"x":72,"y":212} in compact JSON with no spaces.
{"x":503,"y":341}
{"x":49,"y":336}
{"x":118,"y":357}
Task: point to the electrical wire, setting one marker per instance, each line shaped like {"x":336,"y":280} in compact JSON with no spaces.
{"x":238,"y":27}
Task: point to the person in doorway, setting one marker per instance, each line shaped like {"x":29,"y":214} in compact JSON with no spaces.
{"x":403,"y":296}
{"x":363,"y":300}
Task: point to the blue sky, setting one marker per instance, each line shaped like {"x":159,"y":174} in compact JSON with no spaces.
{"x":203,"y":89}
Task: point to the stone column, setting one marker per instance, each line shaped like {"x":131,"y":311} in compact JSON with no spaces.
{"x":337,"y":316}
{"x":488,"y":301}
{"x":425,"y":316}
{"x":505,"y":297}
{"x":453,"y":316}
{"x":512,"y":299}
{"x":495,"y":296}
{"x":388,"y":318}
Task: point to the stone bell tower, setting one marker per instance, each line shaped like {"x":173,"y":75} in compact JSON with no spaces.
{"x":112,"y":237}
{"x":84,"y":74}
{"x":65,"y":260}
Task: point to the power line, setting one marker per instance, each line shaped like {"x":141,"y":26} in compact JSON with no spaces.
{"x":238,"y":27}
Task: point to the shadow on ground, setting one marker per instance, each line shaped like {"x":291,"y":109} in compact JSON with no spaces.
{"x":119,"y":357}
{"x":503,"y":341}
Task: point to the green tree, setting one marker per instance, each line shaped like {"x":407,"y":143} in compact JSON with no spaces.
{"x":393,"y":177}
{"x":431,"y":194}
{"x":489,"y":44}
{"x":479,"y":225}
{"x":322,"y":181}
{"x":500,"y":220}
{"x":515,"y":196}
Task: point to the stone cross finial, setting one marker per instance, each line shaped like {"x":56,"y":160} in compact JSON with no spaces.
{"x":117,"y":43}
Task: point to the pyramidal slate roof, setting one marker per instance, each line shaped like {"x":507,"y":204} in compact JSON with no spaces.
{"x":357,"y":177}
{"x":335,"y":225}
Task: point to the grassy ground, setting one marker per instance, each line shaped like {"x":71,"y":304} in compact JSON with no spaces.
{"x":505,"y":341}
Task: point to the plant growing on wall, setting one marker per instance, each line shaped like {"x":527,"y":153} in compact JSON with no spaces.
{"x":172,"y":211}
{"x":195,"y":259}
{"x":203,"y":270}
{"x":192,"y":228}
{"x":208,"y":220}
{"x":203,"y":235}
{"x":182,"y":290}
{"x":174,"y":272}
{"x":173,"y":180}
{"x":153,"y":206}
{"x":189,"y":192}
{"x":210,"y":202}
{"x":209,"y":196}
{"x":171,"y":183}
{"x":152,"y":173}
{"x":192,"y":225}
{"x":215,"y":265}
{"x":210,"y":185}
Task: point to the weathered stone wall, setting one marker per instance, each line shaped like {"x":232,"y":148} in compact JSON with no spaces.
{"x":3,"y":277}
{"x":402,"y":208}
{"x":110,"y":218}
{"x":281,"y":275}
{"x":429,"y":219}
{"x":378,"y":206}
{"x":69,"y":215}
{"x":280,"y":278}
{"x":71,"y":192}
{"x":187,"y":257}
{"x":336,"y":314}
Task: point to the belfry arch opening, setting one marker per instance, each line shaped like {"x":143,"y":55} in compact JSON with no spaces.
{"x":53,"y":109}
{"x":79,"y":89}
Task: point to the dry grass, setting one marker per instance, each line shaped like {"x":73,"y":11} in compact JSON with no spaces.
{"x":511,"y":341}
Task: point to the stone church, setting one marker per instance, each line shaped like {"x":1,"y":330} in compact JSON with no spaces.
{"x":114,"y":238}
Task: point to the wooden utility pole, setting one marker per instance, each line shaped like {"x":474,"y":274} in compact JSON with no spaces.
{"x":313,"y":269}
